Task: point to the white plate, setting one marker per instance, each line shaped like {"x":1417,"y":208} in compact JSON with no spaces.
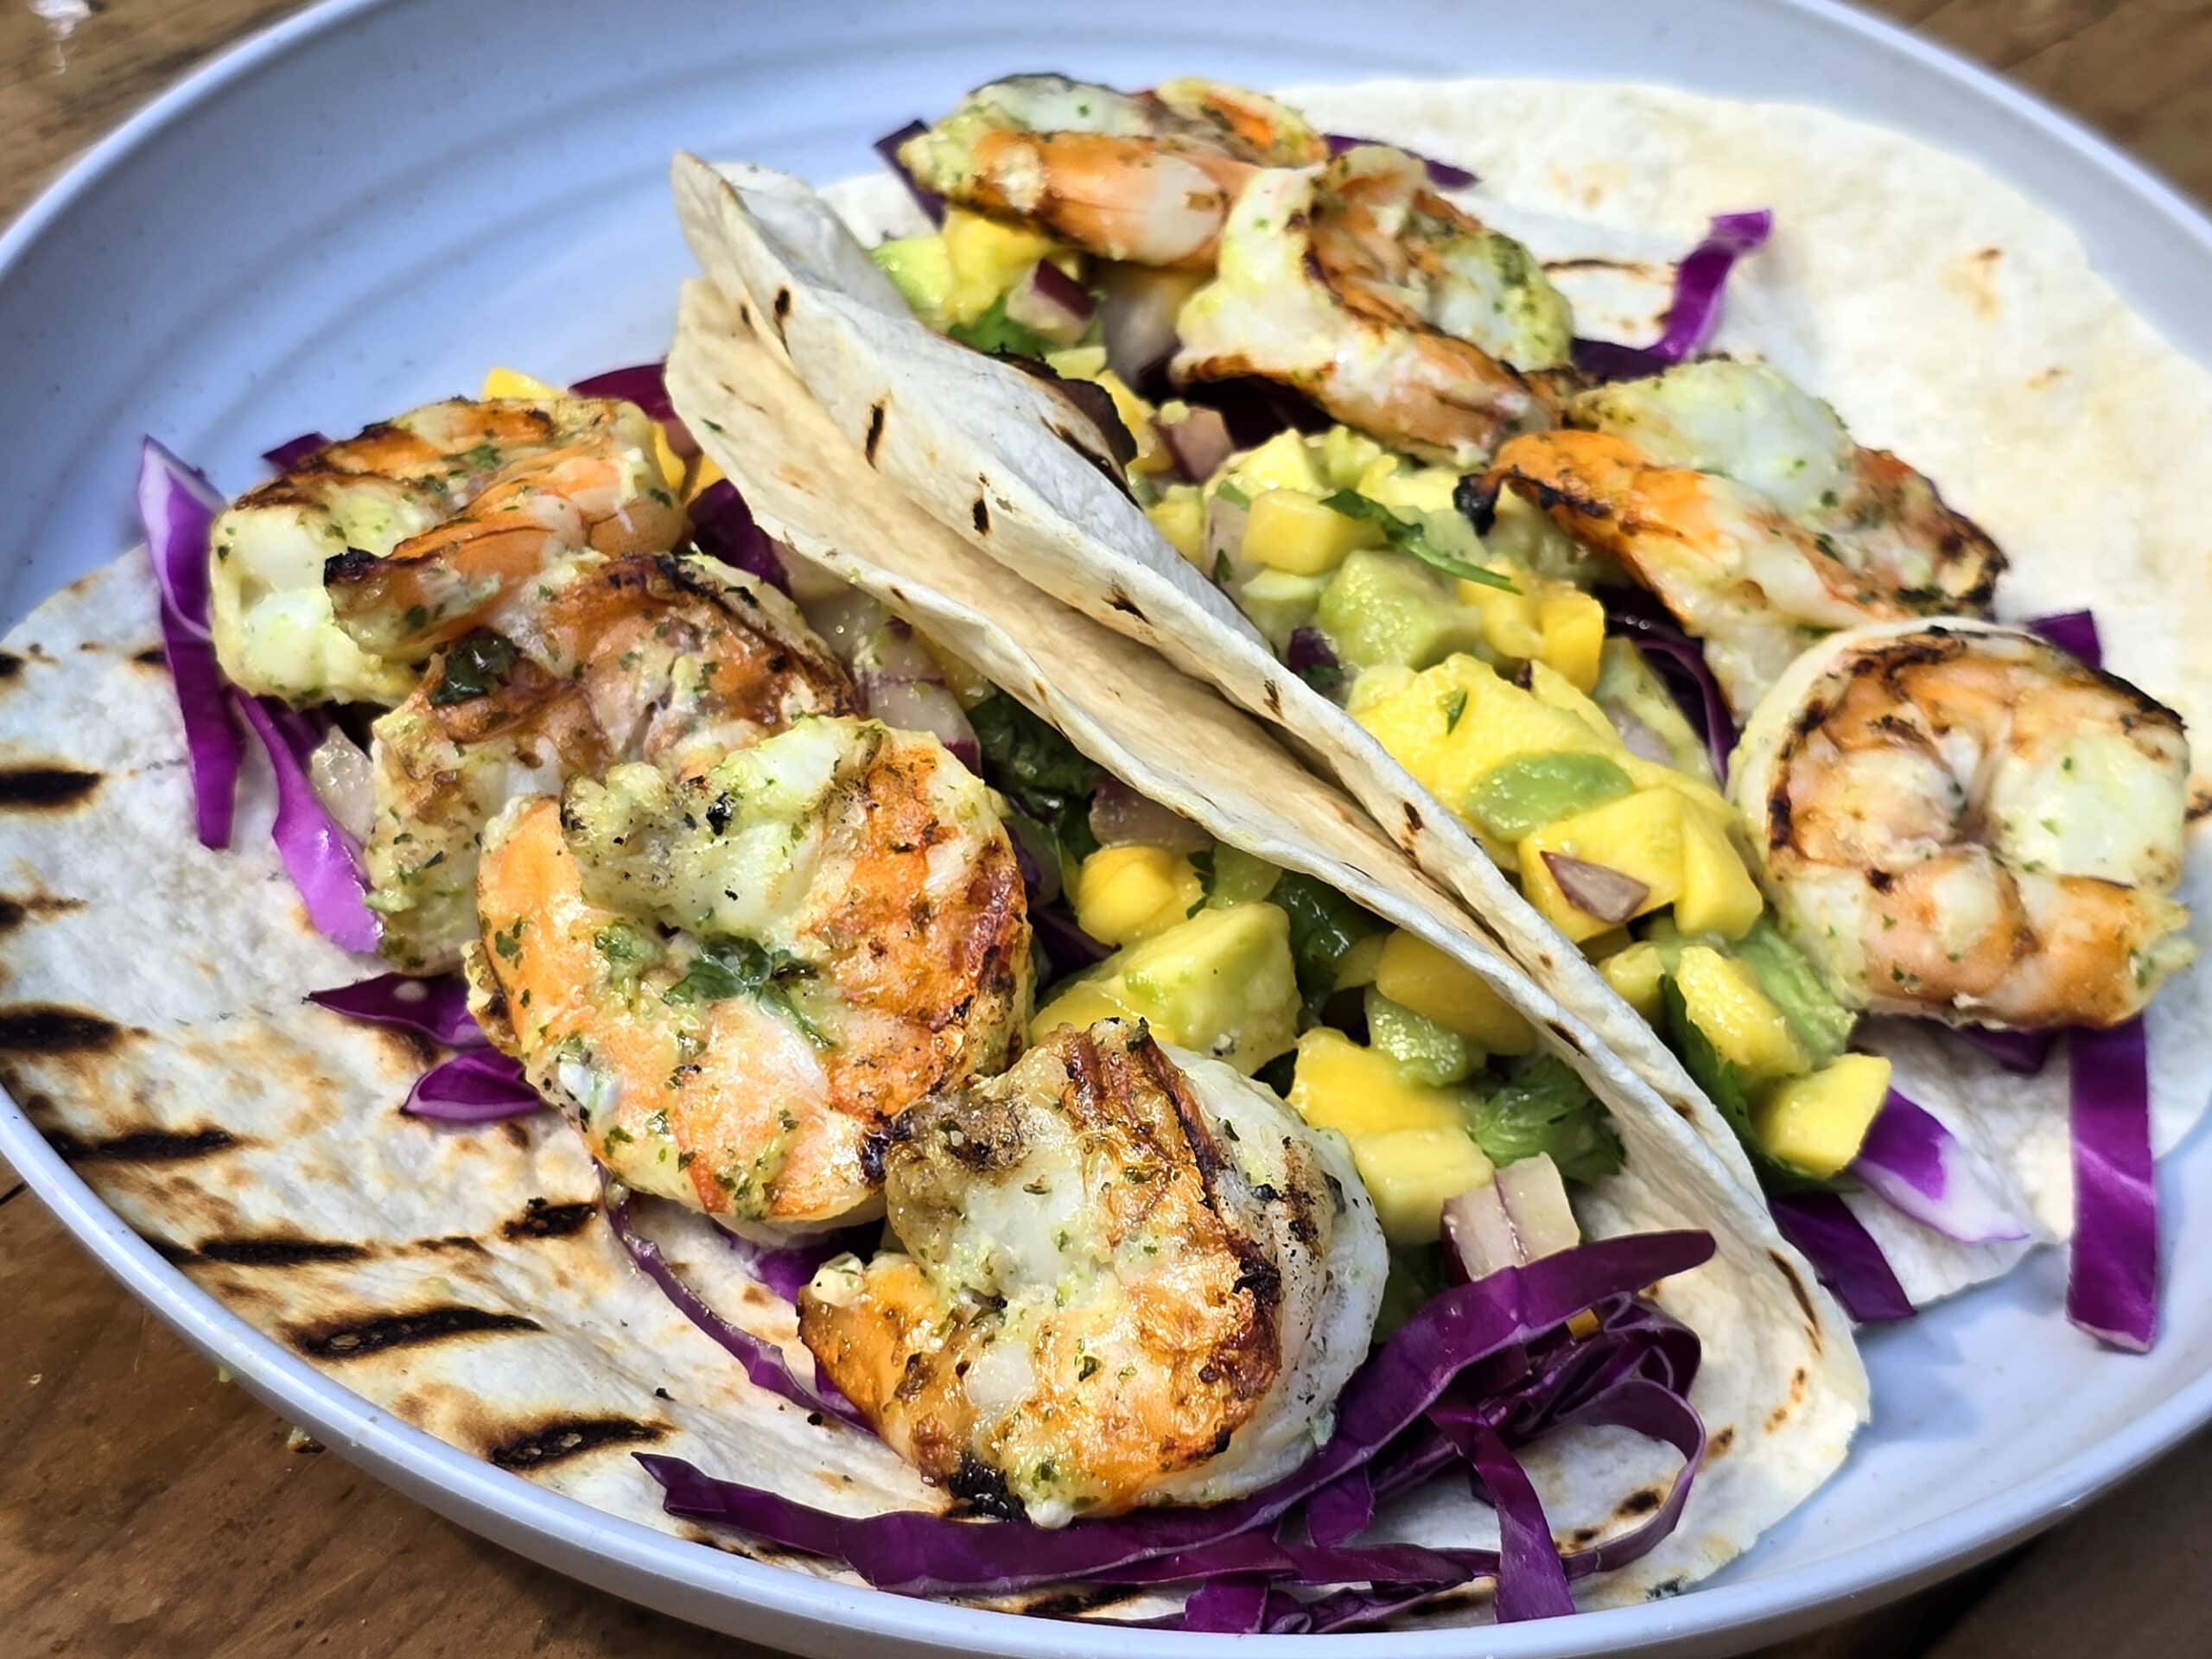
{"x":361,"y":209}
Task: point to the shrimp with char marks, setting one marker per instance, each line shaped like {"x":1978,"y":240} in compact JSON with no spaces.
{"x":1131,"y":1276}
{"x":731,"y":982}
{"x":1959,"y":820}
{"x":674,"y":659}
{"x":559,"y":474}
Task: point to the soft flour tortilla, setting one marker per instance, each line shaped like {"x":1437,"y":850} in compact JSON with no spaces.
{"x":1782,"y":1387}
{"x":1946,"y":317}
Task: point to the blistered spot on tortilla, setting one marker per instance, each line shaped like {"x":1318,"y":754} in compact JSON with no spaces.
{"x":152,"y":657}
{"x":542,"y":1220}
{"x":1413,"y":821}
{"x":1122,"y":601}
{"x":2200,"y":800}
{"x":1640,"y":1502}
{"x":277,"y":1250}
{"x":783,"y":309}
{"x":143,"y":1146}
{"x":1975,"y":277}
{"x":982,"y":515}
{"x":374,"y":1333}
{"x":1272,"y":695}
{"x":1723,"y":1438}
{"x":14,"y":912}
{"x":1086,"y":1602}
{"x":34,"y":789}
{"x":52,"y":1028}
{"x":10,"y":664}
{"x":570,"y":1437}
{"x":1804,"y":1300}
{"x":439,"y":1246}
{"x":2049,"y":377}
{"x":1582,"y":1537}
{"x":875,"y":430}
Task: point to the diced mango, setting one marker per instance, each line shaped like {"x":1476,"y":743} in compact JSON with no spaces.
{"x":986,"y":256}
{"x":1362,"y":1091}
{"x":1820,"y":1120}
{"x":1572,"y":625}
{"x":503,"y":382}
{"x":1357,"y":964}
{"x":1718,"y":895}
{"x":1290,"y":529}
{"x":1412,"y":717}
{"x":1408,"y":491}
{"x":671,"y":465}
{"x":1134,"y":892}
{"x":1413,"y":1174}
{"x":1510,"y":623}
{"x":1082,"y":1003}
{"x":1152,"y":454}
{"x":1281,"y":463}
{"x":1722,"y":997}
{"x":1640,"y":836}
{"x":1636,"y":973}
{"x":1077,"y":362}
{"x":1180,"y":517}
{"x":1412,"y":972}
{"x":1612,"y":941}
{"x":704,"y":476}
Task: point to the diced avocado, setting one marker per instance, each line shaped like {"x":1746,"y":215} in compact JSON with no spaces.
{"x":1290,"y":531}
{"x":1424,"y":1051}
{"x":1413,"y":1174}
{"x":1637,"y":835}
{"x":1641,"y":709}
{"x":1345,"y":455}
{"x":1221,"y":982}
{"x":1718,"y":895}
{"x":1362,"y":1091}
{"x":1279,"y":603}
{"x":1723,"y":999}
{"x":920,"y":267}
{"x":1283,"y":462}
{"x":1822,"y":1024}
{"x":1530,"y":791}
{"x":1239,"y":877}
{"x":1381,"y":606}
{"x":1082,"y":1002}
{"x":1414,"y":973}
{"x":1134,"y":892}
{"x":1819,"y":1122}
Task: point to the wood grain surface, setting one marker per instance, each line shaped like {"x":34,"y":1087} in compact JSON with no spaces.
{"x":148,"y":1509}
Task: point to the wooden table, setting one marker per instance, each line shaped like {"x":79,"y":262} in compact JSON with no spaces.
{"x":147,"y":1508}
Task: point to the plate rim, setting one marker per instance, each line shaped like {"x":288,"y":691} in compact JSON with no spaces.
{"x":475,"y":1494}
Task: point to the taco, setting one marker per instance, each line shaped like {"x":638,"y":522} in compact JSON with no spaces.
{"x":1472,"y":488}
{"x":989,"y":1081}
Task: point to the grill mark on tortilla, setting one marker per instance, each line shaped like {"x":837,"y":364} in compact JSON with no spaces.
{"x":152,"y":657}
{"x":875,"y":430}
{"x":52,"y":1028}
{"x":1804,"y":1301}
{"x":1722,"y":1439}
{"x":570,"y":1437}
{"x":378,"y":1333}
{"x":277,"y":1250}
{"x":15,"y":1192}
{"x":144,"y":1145}
{"x":1274,"y":696}
{"x":982,"y":515}
{"x":1075,"y":1604}
{"x":449,"y":1242}
{"x":1641,"y":1502}
{"x":783,"y":309}
{"x":14,"y":912}
{"x":1122,"y":601}
{"x":542,"y":1220}
{"x":36,"y":789}
{"x":10,"y":664}
{"x":2200,"y":802}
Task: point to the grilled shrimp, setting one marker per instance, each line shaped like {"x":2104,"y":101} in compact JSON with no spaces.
{"x":1959,"y":820}
{"x":661,"y":658}
{"x":730,"y":982}
{"x":1744,"y":504}
{"x":1396,"y":311}
{"x":1145,"y":176}
{"x":1130,"y":1275}
{"x":579,"y":471}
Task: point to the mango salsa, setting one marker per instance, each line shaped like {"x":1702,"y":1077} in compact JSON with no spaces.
{"x":1820,"y":1120}
{"x":986,"y":256}
{"x":1180,"y":516}
{"x":1572,"y":626}
{"x":1289,"y":529}
{"x":1640,"y":836}
{"x":1718,"y":894}
{"x":1414,"y":973}
{"x":1133,"y":892}
{"x":1413,"y":1174}
{"x":1361,"y":1091}
{"x":1636,"y":973}
{"x":1281,"y":463}
{"x":1722,"y":997}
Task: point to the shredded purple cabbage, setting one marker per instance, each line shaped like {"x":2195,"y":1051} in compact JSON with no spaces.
{"x":930,"y":203}
{"x":437,"y":1007}
{"x":1844,"y":1254}
{"x":288,"y":454}
{"x":1309,"y":648}
{"x":1700,"y":280}
{"x":2111,"y":1283}
{"x":1682,"y":660}
{"x":788,"y":1268}
{"x":2021,"y":1051}
{"x":1917,"y":1166}
{"x":177,"y":505}
{"x":2074,"y":633}
{"x":1482,"y":1367}
{"x":1064,"y":940}
{"x":724,"y":528}
{"x":319,"y":856}
{"x":1442,"y":175}
{"x":478,"y":1085}
{"x":763,"y":1360}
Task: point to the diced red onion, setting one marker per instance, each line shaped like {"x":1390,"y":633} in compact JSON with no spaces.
{"x":1309,"y":648}
{"x":763,"y":1360}
{"x":1120,"y":816}
{"x":1519,"y":1216}
{"x":645,"y":384}
{"x":288,"y":454}
{"x":177,"y":506}
{"x":2074,"y":633}
{"x":2112,"y":1282}
{"x":437,"y":1007}
{"x":1917,"y":1166}
{"x":2021,"y":1051}
{"x":1598,"y":889}
{"x":900,"y":684}
{"x":319,"y":856}
{"x":929,"y":201}
{"x":1199,"y":442}
{"x":1256,"y":409}
{"x":478,"y":1085}
{"x":724,"y":528}
{"x":1138,"y":306}
{"x":1844,"y":1254}
{"x":1051,"y":304}
{"x":1700,"y":280}
{"x":1443,"y":175}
